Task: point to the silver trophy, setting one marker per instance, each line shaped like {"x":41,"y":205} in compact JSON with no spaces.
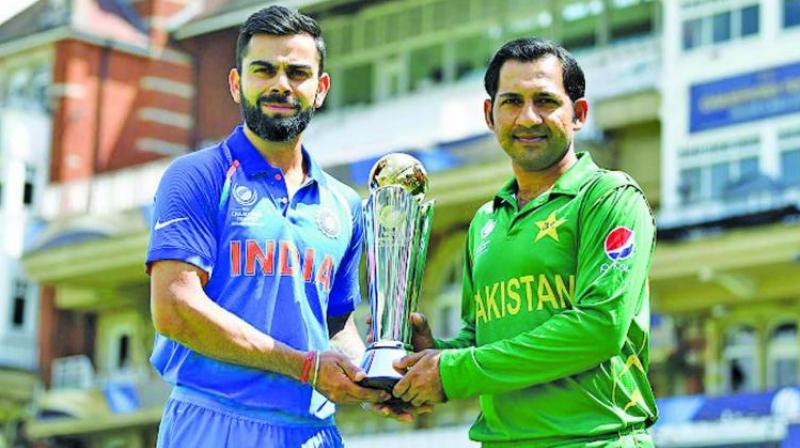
{"x":397,"y":224}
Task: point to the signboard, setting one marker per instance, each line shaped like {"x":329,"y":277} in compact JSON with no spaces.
{"x":744,"y":98}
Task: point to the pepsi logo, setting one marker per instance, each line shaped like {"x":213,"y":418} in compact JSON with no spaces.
{"x":619,"y":243}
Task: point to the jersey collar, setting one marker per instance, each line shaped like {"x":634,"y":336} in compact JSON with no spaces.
{"x":569,"y":183}
{"x":255,"y":165}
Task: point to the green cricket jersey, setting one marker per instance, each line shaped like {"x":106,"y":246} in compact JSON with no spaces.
{"x":556,"y":313}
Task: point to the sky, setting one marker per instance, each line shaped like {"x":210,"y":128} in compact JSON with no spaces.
{"x":8,"y":8}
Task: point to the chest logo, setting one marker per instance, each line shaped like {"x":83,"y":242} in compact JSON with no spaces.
{"x":244,"y":195}
{"x":487,"y":228}
{"x":619,"y":243}
{"x":328,"y":223}
{"x":549,"y":227}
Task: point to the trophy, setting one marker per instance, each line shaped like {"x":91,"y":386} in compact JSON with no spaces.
{"x":397,"y":224}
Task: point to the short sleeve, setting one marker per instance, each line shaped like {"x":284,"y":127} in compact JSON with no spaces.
{"x":183,"y":226}
{"x":345,"y":293}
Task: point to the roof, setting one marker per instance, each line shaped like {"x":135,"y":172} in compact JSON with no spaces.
{"x":113,"y":20}
{"x":37,"y":18}
{"x":222,"y":14}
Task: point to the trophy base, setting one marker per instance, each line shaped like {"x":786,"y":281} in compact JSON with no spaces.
{"x":377,"y":363}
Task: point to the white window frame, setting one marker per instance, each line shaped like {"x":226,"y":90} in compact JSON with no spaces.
{"x":115,"y":335}
{"x":734,"y":352}
{"x":778,"y":350}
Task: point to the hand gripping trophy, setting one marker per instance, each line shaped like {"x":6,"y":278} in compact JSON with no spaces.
{"x":397,"y":224}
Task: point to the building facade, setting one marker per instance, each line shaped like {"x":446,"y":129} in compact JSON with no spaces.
{"x":728,"y":227}
{"x":92,"y":91}
{"x":696,"y":99}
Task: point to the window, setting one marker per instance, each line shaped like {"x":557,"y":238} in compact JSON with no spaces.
{"x":357,"y":84}
{"x":471,"y":55}
{"x":715,"y":181}
{"x":123,"y":352}
{"x":791,"y":13}
{"x":426,"y":67}
{"x":721,"y":27}
{"x":748,"y":167}
{"x":27,"y":189}
{"x":692,"y":33}
{"x":783,"y":356}
{"x":740,"y":360}
{"x":720,"y":179}
{"x":690,"y":186}
{"x":19,"y":303}
{"x":27,"y":89}
{"x":749,"y":24}
{"x":579,"y":42}
{"x":790,"y":167}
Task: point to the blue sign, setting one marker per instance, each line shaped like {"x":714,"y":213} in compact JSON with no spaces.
{"x":743,"y":98}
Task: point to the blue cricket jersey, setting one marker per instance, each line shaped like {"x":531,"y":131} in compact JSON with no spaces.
{"x":281,"y":265}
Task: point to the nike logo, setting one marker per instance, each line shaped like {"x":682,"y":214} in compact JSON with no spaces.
{"x":160,"y":225}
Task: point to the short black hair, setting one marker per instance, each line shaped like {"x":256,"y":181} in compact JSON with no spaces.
{"x":531,"y":49}
{"x":278,"y":20}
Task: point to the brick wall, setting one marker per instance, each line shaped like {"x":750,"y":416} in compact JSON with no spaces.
{"x":123,"y":110}
{"x":215,"y":55}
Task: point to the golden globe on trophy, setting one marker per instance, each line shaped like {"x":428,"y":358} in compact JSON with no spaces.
{"x":397,"y":225}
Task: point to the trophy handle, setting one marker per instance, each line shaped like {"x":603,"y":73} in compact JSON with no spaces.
{"x":421,"y":238}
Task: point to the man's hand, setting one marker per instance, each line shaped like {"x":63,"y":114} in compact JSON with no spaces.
{"x":421,"y":384}
{"x":403,"y":412}
{"x":421,"y":335}
{"x":337,"y":378}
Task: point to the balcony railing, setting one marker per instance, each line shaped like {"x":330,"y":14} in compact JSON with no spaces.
{"x":139,"y":384}
{"x":417,"y":121}
{"x":454,"y":111}
{"x":715,"y":210}
{"x":106,"y":193}
{"x":622,"y":68}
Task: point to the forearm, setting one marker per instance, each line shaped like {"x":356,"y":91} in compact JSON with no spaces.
{"x":557,"y":349}
{"x":208,"y":329}
{"x":348,"y":342}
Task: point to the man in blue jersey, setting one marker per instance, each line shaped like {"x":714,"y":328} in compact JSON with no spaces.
{"x":253,"y":258}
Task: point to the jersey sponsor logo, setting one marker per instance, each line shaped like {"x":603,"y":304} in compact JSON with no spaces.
{"x":328,"y":223}
{"x":160,"y":225}
{"x":527,"y":293}
{"x":244,"y":195}
{"x":278,"y":258}
{"x":619,"y":243}
{"x":487,"y":228}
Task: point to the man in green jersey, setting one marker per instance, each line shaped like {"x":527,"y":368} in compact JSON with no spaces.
{"x":555,"y":296}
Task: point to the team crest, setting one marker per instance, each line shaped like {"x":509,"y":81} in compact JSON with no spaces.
{"x":244,"y":195}
{"x":328,"y":223}
{"x":487,"y":228}
{"x":619,"y":244}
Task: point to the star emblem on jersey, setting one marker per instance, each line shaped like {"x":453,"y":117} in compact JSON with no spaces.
{"x":328,"y":223}
{"x":549,"y":227}
{"x":244,"y":195}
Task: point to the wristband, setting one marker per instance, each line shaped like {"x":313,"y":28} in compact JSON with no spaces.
{"x":316,"y":373}
{"x":307,"y":366}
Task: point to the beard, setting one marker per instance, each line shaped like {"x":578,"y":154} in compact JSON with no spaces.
{"x":276,"y":129}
